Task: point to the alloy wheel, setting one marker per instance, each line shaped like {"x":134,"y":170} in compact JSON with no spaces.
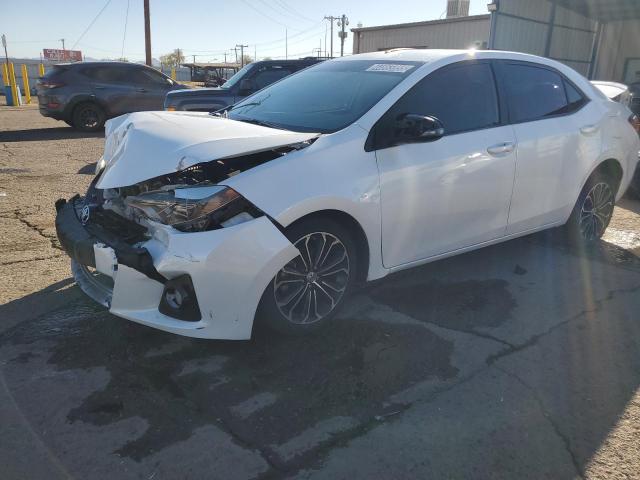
{"x":310,"y":286}
{"x":596,"y":211}
{"x":89,"y":118}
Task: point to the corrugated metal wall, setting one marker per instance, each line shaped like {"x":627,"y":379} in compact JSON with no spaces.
{"x":619,"y":52}
{"x":543,"y":28}
{"x":446,"y":34}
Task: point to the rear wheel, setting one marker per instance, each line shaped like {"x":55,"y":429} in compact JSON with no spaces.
{"x":309,"y":290}
{"x":593,"y":210}
{"x":88,"y":117}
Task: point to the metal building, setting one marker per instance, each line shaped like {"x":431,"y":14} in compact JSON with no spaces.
{"x":599,"y":38}
{"x":461,"y":32}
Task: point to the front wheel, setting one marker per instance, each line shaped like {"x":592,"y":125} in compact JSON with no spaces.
{"x":309,"y":290}
{"x":593,"y":210}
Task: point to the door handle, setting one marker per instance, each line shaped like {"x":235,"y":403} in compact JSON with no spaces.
{"x":98,"y":87}
{"x":141,"y":90}
{"x":501,"y":149}
{"x":589,"y":129}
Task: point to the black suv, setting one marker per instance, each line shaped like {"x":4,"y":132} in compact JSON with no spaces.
{"x":251,"y":78}
{"x":85,"y":94}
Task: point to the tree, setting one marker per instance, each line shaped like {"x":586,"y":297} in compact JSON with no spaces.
{"x":173,"y":59}
{"x":247,"y":59}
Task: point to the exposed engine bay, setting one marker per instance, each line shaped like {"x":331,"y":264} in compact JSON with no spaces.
{"x":189,"y":200}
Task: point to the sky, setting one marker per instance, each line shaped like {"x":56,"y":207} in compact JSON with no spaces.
{"x":205,"y":28}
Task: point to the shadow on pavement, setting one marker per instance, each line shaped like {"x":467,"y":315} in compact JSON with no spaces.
{"x":273,"y":389}
{"x":40,"y":134}
{"x":89,"y":169}
{"x":630,"y":202}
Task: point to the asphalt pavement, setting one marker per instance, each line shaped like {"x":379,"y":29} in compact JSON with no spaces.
{"x":520,"y":360}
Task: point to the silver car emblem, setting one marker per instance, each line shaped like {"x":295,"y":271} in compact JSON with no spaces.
{"x":85,"y":214}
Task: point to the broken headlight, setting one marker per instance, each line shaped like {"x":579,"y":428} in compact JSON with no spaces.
{"x":194,"y":209}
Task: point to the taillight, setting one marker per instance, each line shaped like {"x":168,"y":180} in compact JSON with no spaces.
{"x":634,"y":120}
{"x":46,"y":84}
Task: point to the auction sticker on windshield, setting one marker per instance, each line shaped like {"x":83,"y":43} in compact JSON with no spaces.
{"x":390,"y":67}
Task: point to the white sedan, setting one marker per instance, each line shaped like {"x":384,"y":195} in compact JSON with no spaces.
{"x":203,"y":224}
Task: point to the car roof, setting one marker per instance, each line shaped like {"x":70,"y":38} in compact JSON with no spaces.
{"x":101,"y":64}
{"x":427,"y":55}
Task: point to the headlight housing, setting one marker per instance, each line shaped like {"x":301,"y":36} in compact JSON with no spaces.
{"x":194,"y":209}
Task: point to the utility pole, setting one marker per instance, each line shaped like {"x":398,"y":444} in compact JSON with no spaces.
{"x":225,"y":57}
{"x":242,"y":47}
{"x":235,"y":50}
{"x":255,"y":54}
{"x":286,"y":45}
{"x":331,"y":19}
{"x":62,"y":40}
{"x":147,"y":33}
{"x":343,"y":22}
{"x":194,"y":58}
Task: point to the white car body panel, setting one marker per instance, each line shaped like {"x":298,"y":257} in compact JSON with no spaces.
{"x":334,"y":173}
{"x":450,"y":194}
{"x":143,"y":145}
{"x":410,"y":210}
{"x":611,"y":89}
{"x":546,"y":184}
{"x":230,"y":269}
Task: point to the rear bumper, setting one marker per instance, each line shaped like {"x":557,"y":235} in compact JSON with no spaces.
{"x":229,"y":270}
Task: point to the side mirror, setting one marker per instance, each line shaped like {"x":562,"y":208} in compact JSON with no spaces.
{"x":412,"y":127}
{"x":246,"y":86}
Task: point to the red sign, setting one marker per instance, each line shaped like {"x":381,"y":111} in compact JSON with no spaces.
{"x":62,"y":55}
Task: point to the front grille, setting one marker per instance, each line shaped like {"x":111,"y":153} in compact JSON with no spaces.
{"x":126,"y":230}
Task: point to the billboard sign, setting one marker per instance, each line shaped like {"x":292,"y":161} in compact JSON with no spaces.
{"x":58,"y":55}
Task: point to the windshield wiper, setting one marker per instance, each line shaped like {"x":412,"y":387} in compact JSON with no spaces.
{"x":250,"y":104}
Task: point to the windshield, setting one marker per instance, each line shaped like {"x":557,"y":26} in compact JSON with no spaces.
{"x":324,"y":98}
{"x":237,"y":77}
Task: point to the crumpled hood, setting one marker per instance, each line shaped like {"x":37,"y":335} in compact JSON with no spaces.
{"x":144,"y":145}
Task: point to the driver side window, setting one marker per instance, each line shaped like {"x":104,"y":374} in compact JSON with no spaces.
{"x":268,"y":76}
{"x":463,"y":97}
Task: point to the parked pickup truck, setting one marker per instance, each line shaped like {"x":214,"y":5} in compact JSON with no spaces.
{"x":251,"y":78}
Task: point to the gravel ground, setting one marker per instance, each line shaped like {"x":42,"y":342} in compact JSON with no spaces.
{"x":520,"y":360}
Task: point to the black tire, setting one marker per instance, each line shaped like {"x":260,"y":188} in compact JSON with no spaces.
{"x":88,"y":117}
{"x":323,"y":293}
{"x":593,"y":211}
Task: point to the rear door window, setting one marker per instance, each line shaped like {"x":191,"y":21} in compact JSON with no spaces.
{"x":106,"y":74}
{"x":534,"y":93}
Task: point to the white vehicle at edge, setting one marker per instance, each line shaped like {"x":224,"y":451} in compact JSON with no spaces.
{"x":354,"y":168}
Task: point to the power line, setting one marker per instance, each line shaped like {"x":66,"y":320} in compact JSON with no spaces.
{"x":253,"y":7}
{"x":91,"y":24}
{"x":289,"y":8}
{"x":299,"y":40}
{"x":283,"y":10}
{"x":124,"y":35}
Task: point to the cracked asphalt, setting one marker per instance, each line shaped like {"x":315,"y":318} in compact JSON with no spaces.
{"x":521,"y":360}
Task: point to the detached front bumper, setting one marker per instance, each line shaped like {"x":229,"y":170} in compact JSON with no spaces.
{"x":228,"y":270}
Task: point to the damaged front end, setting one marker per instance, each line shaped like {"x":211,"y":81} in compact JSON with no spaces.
{"x":179,"y":251}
